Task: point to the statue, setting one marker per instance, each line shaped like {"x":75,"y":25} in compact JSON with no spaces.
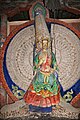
{"x":44,"y":90}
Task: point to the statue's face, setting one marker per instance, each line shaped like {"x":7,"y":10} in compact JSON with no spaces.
{"x":45,"y":44}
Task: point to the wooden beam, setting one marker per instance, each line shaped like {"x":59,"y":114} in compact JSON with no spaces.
{"x":71,"y":10}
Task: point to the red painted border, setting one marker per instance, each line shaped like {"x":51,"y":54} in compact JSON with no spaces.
{"x":64,"y":24}
{"x":2,"y":51}
{"x":75,"y":99}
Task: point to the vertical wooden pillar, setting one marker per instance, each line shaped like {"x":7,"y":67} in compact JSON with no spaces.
{"x":3,"y":35}
{"x":4,"y":25}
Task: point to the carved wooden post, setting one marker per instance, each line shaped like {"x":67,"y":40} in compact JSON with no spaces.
{"x":4,"y":25}
{"x":3,"y":36}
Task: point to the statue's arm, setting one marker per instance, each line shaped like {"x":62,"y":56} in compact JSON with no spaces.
{"x":54,"y":63}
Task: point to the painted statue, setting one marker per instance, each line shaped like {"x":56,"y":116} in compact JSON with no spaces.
{"x":44,"y":91}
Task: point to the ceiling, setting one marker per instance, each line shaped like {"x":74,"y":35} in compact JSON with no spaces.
{"x":18,"y":9}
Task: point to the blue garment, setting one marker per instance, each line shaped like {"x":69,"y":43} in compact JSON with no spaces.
{"x":40,"y":109}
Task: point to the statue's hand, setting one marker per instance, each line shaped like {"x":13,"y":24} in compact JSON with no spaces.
{"x":52,"y":70}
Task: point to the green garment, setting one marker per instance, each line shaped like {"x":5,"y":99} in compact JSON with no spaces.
{"x":51,"y":81}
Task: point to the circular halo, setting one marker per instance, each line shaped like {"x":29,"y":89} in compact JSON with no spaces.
{"x":17,"y":57}
{"x":67,"y":46}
